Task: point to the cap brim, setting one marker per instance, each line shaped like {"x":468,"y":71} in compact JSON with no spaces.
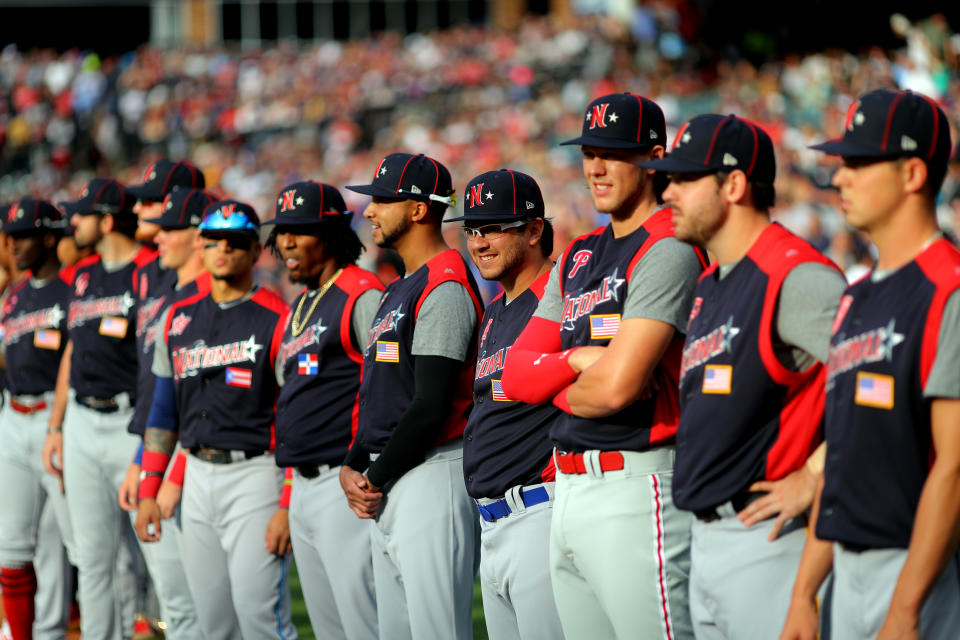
{"x":157,"y":221}
{"x":73,"y":207}
{"x":140,"y":192}
{"x":609,"y":143}
{"x":672,"y":164}
{"x":840,"y":147}
{"x":373,"y":190}
{"x":505,"y":217}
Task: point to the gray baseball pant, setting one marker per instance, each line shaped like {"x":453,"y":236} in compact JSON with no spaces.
{"x":620,"y":550}
{"x":863,"y":586}
{"x":239,"y":589}
{"x":515,"y":572}
{"x":425,"y":552}
{"x":96,"y":452}
{"x":741,"y":583}
{"x":332,"y":549}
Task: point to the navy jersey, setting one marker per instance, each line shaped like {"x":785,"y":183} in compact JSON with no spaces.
{"x":387,"y":385}
{"x":594,"y":274}
{"x":102,"y":324}
{"x":744,"y":416}
{"x":157,"y":290}
{"x":35,"y":334}
{"x":506,"y":443}
{"x":877,"y":421}
{"x":223,"y":369}
{"x":317,"y":409}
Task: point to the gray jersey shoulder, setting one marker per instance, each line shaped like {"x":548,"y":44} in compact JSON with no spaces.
{"x":944,"y":378}
{"x":445,"y":323}
{"x":806,"y":306}
{"x":161,"y":354}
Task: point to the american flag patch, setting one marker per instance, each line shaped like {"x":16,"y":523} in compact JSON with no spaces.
{"x":498,"y":393}
{"x":388,"y":351}
{"x":46,"y":339}
{"x":113,"y":327}
{"x":717,"y":378}
{"x":874,"y":390}
{"x":239,"y":377}
{"x":604,"y":325}
{"x":308,"y":364}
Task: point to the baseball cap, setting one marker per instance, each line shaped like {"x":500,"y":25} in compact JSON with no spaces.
{"x":623,"y":121}
{"x":183,"y":208}
{"x":230,"y":216}
{"x":410,"y":177}
{"x":501,"y":195}
{"x":309,"y":202}
{"x":713,"y":142}
{"x":101,"y":196}
{"x":164,"y":177}
{"x":31,"y":214}
{"x":892,"y":124}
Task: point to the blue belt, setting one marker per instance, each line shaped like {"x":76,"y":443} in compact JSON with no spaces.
{"x":500,"y":509}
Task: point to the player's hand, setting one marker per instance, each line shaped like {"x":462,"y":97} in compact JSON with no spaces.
{"x":899,"y":625}
{"x":127,"y":496}
{"x":362,"y":497}
{"x":582,"y":357}
{"x":168,"y":498}
{"x":52,"y":453}
{"x":278,"y":533}
{"x":789,"y":497}
{"x":802,"y":622}
{"x":148,"y":520}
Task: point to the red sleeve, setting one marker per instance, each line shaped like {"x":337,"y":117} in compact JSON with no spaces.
{"x":537,"y":368}
{"x":179,"y":469}
{"x":287,"y":488}
{"x":154,"y":463}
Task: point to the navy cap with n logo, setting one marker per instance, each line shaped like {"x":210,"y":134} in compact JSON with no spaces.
{"x":183,"y":208}
{"x":622,"y":121}
{"x":166,"y":176}
{"x":101,"y":196}
{"x":309,"y":202}
{"x":410,"y":177}
{"x":31,"y":215}
{"x":500,"y":196}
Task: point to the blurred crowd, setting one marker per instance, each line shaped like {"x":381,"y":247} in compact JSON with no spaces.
{"x":473,"y":97}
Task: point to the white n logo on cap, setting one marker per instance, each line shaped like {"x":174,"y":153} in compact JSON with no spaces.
{"x":729,"y":160}
{"x":907,"y":143}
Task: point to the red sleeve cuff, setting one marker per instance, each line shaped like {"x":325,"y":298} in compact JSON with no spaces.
{"x":179,"y":469}
{"x":287,"y":488}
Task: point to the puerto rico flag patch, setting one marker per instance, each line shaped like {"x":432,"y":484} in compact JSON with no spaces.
{"x":717,"y":378}
{"x":388,"y":351}
{"x":498,"y":393}
{"x":46,"y":339}
{"x":242,"y":378}
{"x":604,"y":325}
{"x":874,"y":390}
{"x":308,"y":364}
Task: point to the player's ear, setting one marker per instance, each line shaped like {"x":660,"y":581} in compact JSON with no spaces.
{"x":914,"y":173}
{"x":50,"y":241}
{"x":734,"y":188}
{"x":256,"y":250}
{"x":535,"y":229}
{"x":419,"y":211}
{"x":107,"y":224}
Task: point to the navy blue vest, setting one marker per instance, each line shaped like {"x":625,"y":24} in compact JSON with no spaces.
{"x":102,"y":322}
{"x":506,"y":443}
{"x":157,"y":290}
{"x":223,"y":369}
{"x":387,"y":386}
{"x":595,"y":270}
{"x":877,"y":422}
{"x":35,"y":335}
{"x":317,"y":409}
{"x":744,"y":416}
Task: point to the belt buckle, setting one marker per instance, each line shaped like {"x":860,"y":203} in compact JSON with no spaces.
{"x":707,"y":515}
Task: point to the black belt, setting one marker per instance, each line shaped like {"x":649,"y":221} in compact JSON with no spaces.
{"x":309,"y":471}
{"x":224,"y":456}
{"x":739,"y":503}
{"x":101,"y":405}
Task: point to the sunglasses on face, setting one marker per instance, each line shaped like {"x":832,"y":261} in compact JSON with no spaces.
{"x":491,"y":231}
{"x":234,"y":241}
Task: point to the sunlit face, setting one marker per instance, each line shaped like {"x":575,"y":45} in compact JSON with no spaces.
{"x":870,"y":190}
{"x":147,"y":231}
{"x":231,"y":256}
{"x":499,"y":254}
{"x":303,"y":253}
{"x":177,"y":246}
{"x":87,"y":231}
{"x":389,"y":219}
{"x":616,"y":182}
{"x":697,"y":206}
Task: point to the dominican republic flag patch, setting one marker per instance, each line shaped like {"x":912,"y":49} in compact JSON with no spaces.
{"x":388,"y":351}
{"x":239,"y":377}
{"x":604,"y":325}
{"x":498,"y":393}
{"x":874,"y":390}
{"x":308,"y":364}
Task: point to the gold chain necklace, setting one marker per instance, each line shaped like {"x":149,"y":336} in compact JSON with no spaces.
{"x":296,"y":326}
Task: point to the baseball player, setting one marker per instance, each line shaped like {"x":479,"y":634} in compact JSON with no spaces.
{"x":180,"y":255}
{"x":160,"y":179}
{"x":214,"y":361}
{"x":405,"y":465}
{"x":34,"y":330}
{"x":751,"y":377}
{"x":604,"y":345}
{"x":319,"y":367}
{"x":94,"y":400}
{"x":889,"y":508}
{"x":507,"y":461}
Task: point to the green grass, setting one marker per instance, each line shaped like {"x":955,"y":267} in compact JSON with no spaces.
{"x":299,"y":610}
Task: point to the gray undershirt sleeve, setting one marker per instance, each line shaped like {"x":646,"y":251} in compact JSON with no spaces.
{"x":809,"y":297}
{"x":944,"y":378}
{"x":364,"y":311}
{"x":446,"y":323}
{"x":662,"y":284}
{"x":550,"y":306}
{"x":161,"y":356}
